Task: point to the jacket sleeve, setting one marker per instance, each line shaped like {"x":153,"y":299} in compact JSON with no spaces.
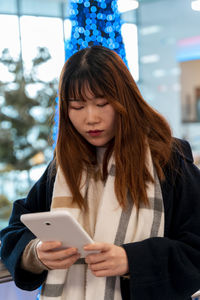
{"x":16,"y":236}
{"x":169,"y":267}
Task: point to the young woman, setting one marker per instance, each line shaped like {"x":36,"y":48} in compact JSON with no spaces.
{"x":132,"y":187}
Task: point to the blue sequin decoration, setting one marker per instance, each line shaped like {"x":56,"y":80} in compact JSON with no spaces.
{"x":94,"y":22}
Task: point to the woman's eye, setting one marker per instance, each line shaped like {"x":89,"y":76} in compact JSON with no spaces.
{"x":103,"y":104}
{"x":76,"y":108}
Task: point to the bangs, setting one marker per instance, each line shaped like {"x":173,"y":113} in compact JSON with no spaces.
{"x":79,"y":87}
{"x":80,"y":84}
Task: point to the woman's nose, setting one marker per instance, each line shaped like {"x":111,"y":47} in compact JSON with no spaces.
{"x":92,"y":115}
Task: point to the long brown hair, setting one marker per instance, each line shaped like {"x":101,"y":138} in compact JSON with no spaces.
{"x":137,"y":127}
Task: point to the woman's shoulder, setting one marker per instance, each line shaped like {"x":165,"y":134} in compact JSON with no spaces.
{"x":182,"y":149}
{"x":180,"y":163}
{"x":49,"y":173}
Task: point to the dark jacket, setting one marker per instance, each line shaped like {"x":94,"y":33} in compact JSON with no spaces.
{"x":166,"y":268}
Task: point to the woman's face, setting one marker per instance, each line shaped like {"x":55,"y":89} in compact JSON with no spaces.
{"x":94,"y":118}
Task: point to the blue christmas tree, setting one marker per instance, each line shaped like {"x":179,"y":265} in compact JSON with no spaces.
{"x":95,"y":22}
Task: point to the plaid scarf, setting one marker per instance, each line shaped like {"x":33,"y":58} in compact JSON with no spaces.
{"x":113,"y":225}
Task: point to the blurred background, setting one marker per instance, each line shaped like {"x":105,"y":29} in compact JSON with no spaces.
{"x":158,"y":39}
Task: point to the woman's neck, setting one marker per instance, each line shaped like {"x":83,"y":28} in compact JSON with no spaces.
{"x":100,"y":154}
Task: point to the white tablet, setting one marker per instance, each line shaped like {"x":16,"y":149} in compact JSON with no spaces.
{"x":58,"y":225}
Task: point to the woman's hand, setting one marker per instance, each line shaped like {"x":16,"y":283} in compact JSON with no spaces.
{"x":111,"y":261}
{"x":53,"y":258}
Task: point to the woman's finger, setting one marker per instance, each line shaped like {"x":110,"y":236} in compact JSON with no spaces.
{"x":97,"y":247}
{"x":58,"y":255}
{"x":96,"y":258}
{"x":46,"y":246}
{"x":98,"y":266}
{"x":62,"y":264}
{"x":103,"y":273}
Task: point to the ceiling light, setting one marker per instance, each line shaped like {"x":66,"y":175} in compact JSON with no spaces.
{"x":196,"y":5}
{"x":126,"y":5}
{"x":148,"y":59}
{"x":150,"y":30}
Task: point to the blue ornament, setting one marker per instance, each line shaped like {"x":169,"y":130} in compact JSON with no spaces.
{"x":87,"y":4}
{"x":93,"y":26}
{"x":93,"y":9}
{"x":88,"y":21}
{"x":87,"y":32}
{"x":85,"y":44}
{"x":80,"y":41}
{"x":103,"y":5}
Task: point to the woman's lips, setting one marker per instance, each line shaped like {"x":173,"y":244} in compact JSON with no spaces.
{"x":95,"y":132}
